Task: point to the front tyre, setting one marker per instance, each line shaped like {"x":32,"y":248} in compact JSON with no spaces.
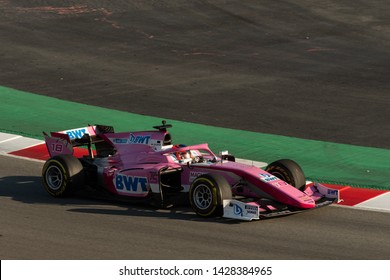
{"x":207,"y":193}
{"x":288,"y":171}
{"x":62,"y":174}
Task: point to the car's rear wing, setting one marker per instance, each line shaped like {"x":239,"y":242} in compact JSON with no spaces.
{"x":63,"y":142}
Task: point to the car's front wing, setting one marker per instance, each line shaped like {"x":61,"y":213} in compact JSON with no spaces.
{"x":241,"y":209}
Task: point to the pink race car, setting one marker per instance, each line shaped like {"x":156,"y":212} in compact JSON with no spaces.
{"x":146,"y":166}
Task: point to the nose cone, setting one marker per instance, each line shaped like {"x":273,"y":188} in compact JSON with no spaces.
{"x":296,"y":198}
{"x":305,"y":202}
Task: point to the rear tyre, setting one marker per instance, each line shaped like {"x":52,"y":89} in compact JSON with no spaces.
{"x":288,"y":171}
{"x":207,"y":193}
{"x":62,"y":174}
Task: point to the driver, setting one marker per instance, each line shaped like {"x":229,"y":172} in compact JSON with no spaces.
{"x":189,"y":156}
{"x":184,"y":156}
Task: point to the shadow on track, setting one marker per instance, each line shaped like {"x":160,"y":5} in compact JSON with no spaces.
{"x":29,"y":189}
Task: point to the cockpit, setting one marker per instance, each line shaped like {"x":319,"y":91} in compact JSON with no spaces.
{"x":189,"y":156}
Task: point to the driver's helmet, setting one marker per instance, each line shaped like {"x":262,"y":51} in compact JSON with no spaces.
{"x":184,"y":155}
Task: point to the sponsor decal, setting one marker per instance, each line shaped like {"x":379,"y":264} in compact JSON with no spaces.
{"x":156,"y":144}
{"x":119,"y":140}
{"x":251,"y":209}
{"x":76,"y":133}
{"x":237,"y":210}
{"x":247,"y":210}
{"x":279,"y":183}
{"x":194,"y":175}
{"x":130,"y":184}
{"x":268,"y":178}
{"x":332,"y":192}
{"x":240,"y":210}
{"x":140,"y":139}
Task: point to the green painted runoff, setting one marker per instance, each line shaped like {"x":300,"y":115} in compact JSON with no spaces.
{"x":29,"y":114}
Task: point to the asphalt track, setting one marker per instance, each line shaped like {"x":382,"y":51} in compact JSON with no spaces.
{"x":309,"y":69}
{"x":36,"y":226}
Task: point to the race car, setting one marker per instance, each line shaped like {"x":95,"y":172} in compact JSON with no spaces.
{"x":147,"y":166}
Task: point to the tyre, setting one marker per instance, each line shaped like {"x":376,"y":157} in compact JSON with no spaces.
{"x":207,"y":193}
{"x":62,"y":174}
{"x":289,"y":171}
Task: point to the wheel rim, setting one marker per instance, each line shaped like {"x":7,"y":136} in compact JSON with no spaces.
{"x":54,"y":177}
{"x":202,"y":197}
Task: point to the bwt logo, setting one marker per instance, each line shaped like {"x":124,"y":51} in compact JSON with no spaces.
{"x":130,"y":183}
{"x":140,"y":139}
{"x":75,"y":134}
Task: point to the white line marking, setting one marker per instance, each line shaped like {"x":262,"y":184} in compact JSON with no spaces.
{"x":22,"y":158}
{"x":11,"y":139}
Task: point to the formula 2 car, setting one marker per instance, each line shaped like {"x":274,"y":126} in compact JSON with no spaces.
{"x":146,"y":166}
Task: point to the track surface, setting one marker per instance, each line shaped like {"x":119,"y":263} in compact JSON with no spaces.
{"x":310,"y":69}
{"x":37,"y":226}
